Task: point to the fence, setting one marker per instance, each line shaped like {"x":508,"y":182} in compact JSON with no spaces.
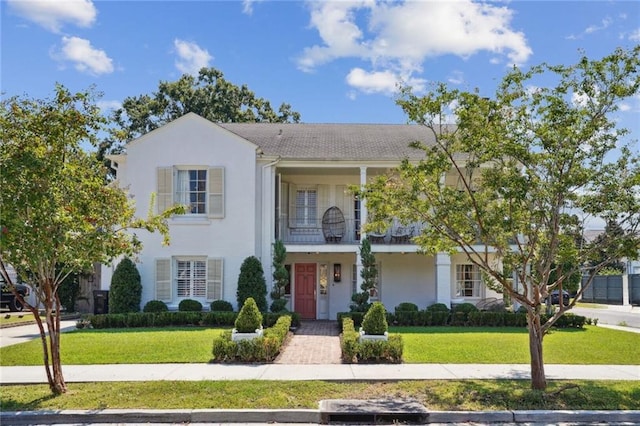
{"x":607,"y":289}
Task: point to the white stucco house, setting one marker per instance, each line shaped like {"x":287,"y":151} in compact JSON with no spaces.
{"x":248,"y":184}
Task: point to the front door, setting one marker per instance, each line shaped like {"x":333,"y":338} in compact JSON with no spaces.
{"x":305,"y":291}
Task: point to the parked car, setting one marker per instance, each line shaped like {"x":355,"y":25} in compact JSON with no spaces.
{"x":9,"y":299}
{"x":555,"y":297}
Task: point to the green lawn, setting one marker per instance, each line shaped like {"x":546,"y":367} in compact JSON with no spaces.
{"x":121,"y":346}
{"x":434,"y":394}
{"x":15,"y":317}
{"x":592,"y":345}
{"x":461,"y":345}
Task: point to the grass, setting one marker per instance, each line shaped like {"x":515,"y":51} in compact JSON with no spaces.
{"x":15,"y":318}
{"x":483,"y":345}
{"x":591,"y":305}
{"x":121,"y":346}
{"x":434,"y":394}
{"x":457,"y":345}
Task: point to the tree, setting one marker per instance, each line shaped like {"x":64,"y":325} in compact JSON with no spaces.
{"x":522,"y":171}
{"x":209,"y":95}
{"x":280,"y":277}
{"x":125,"y":291}
{"x":251,"y":283}
{"x":58,"y":217}
{"x":610,"y":236}
{"x":369,"y":274}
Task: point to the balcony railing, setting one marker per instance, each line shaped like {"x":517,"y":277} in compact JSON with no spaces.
{"x":314,"y":233}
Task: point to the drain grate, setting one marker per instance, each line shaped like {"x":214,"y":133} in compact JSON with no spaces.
{"x":354,"y":411}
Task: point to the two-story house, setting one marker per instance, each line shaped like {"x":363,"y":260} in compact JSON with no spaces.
{"x":248,"y":184}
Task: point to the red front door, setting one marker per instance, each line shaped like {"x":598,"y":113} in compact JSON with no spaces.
{"x":305,"y":291}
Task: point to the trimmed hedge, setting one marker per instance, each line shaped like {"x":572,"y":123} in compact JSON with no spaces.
{"x":461,"y":319}
{"x":221,"y":306}
{"x":179,"y":319}
{"x":260,"y":349}
{"x":189,"y":305}
{"x":380,"y":351}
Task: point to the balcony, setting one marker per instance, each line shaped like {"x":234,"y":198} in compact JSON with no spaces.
{"x":314,"y":234}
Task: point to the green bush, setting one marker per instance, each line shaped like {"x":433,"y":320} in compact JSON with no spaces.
{"x":278,"y":305}
{"x":249,"y":319}
{"x":465,"y":307}
{"x":68,"y":292}
{"x":261,"y":349}
{"x":221,"y":306}
{"x":251,"y":283}
{"x":375,"y":320}
{"x":406,"y":307}
{"x":349,"y":341}
{"x":368,"y":351}
{"x":155,"y":306}
{"x":189,"y":305}
{"x":438,"y":307}
{"x":126,"y":288}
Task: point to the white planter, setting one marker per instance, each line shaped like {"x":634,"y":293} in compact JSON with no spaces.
{"x":373,"y":337}
{"x":236,"y":337}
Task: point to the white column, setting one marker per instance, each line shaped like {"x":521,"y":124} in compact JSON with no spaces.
{"x":625,"y":289}
{"x":443,"y":278}
{"x":363,"y":220}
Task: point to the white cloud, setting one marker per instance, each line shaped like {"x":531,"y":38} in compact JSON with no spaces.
{"x":396,"y":38}
{"x":109,"y":105}
{"x":456,"y":77}
{"x":53,"y":14}
{"x":381,"y":81}
{"x":604,"y":24}
{"x":247,"y":6}
{"x":191,"y":57}
{"x":84,"y":56}
{"x":635,"y":35}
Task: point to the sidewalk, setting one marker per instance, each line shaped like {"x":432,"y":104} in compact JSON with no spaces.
{"x":338,"y":372}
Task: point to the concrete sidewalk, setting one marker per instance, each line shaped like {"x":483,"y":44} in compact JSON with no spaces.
{"x":337,"y":372}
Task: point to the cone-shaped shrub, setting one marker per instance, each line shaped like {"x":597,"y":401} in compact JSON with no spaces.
{"x":126,"y":288}
{"x":249,"y":319}
{"x":251,"y":283}
{"x":375,"y":320}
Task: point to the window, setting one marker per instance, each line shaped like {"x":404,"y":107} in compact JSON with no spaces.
{"x":200,"y":189}
{"x":306,"y":207}
{"x":191,"y":278}
{"x":468,"y":281}
{"x":191,"y":190}
{"x":324,"y":281}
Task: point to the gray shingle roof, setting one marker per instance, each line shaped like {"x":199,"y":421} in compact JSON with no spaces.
{"x":334,"y":141}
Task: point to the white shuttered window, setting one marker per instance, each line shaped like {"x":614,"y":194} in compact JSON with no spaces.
{"x":200,"y":189}
{"x":192,"y":278}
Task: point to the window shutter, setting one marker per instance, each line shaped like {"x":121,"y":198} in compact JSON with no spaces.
{"x":164,"y":188}
{"x":293,"y":189}
{"x":323,"y":199}
{"x":164,"y":291}
{"x":216,"y":192}
{"x":214,"y":279}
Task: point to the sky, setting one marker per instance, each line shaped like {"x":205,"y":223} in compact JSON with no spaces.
{"x":333,"y":61}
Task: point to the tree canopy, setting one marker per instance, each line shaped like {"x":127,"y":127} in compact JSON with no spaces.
{"x":511,"y":180}
{"x":209,"y":95}
{"x":58,"y":216}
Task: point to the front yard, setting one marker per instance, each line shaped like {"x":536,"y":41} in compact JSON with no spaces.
{"x":591,"y":345}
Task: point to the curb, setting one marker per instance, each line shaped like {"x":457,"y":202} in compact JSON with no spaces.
{"x":306,"y":416}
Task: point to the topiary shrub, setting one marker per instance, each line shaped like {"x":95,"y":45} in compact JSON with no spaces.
{"x":155,"y":306}
{"x":126,"y":288}
{"x":407,"y":307}
{"x":466,"y":308}
{"x":438,"y":307}
{"x":249,"y":319}
{"x":278,"y":305}
{"x":189,"y":305}
{"x":375,"y":320}
{"x":221,"y":306}
{"x":251,"y":283}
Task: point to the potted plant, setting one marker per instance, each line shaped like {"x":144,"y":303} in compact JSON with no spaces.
{"x":248,"y":325}
{"x":374,"y":324}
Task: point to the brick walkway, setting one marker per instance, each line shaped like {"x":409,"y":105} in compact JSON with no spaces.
{"x":314,"y":342}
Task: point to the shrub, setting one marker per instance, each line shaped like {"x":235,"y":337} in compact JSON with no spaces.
{"x":407,"y":307}
{"x":126,"y":288}
{"x":261,"y":349}
{"x":155,"y":306}
{"x":278,"y":305}
{"x":249,"y":319}
{"x":375,"y":320}
{"x":368,"y":351}
{"x":221,"y":306}
{"x":189,"y":305}
{"x":438,"y":307}
{"x":465,"y":307}
{"x":349,"y":341}
{"x":251,"y":283}
{"x":280,"y":277}
{"x":69,"y":291}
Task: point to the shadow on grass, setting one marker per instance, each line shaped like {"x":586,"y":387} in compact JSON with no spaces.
{"x":470,"y":330}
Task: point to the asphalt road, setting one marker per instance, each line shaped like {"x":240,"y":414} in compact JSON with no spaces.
{"x":612,"y":315}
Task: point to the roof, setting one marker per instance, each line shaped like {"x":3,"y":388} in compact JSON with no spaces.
{"x":302,"y":141}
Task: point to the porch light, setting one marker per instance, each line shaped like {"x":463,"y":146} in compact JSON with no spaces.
{"x":337,"y":272}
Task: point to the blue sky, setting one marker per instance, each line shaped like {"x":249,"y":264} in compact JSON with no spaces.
{"x":333,"y":61}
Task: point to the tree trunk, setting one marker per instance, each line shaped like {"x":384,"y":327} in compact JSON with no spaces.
{"x":538,"y":377}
